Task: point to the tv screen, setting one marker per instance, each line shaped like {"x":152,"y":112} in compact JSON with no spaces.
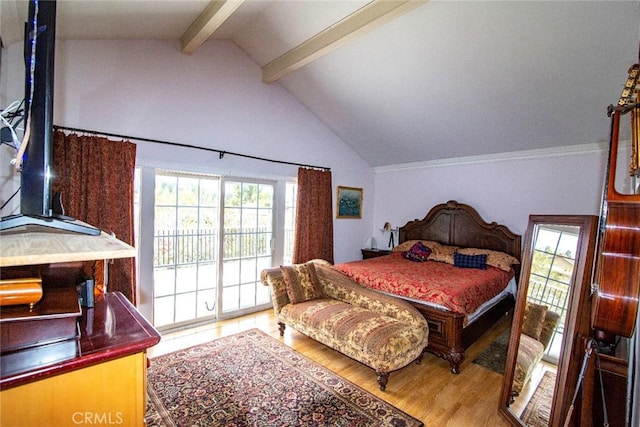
{"x":35,"y":193}
{"x":36,"y":163}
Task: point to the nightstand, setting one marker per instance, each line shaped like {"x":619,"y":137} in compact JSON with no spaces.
{"x":372,"y":253}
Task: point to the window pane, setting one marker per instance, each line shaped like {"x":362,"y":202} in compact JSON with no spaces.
{"x":567,"y":246}
{"x":206,"y":298}
{"x":232,"y":195}
{"x":542,"y":263}
{"x":263,"y":245}
{"x":232,"y":219}
{"x":263,"y":295}
{"x":248,"y":270}
{"x":207,"y":245}
{"x":164,"y":280}
{"x":207,"y":276}
{"x":249,"y":220}
{"x":186,"y":278}
{"x":163,"y":310}
{"x":185,"y":307}
{"x":164,"y":247}
{"x":547,"y":241}
{"x":230,"y":299}
{"x":208,"y":218}
{"x":231,"y":273}
{"x":232,"y":245}
{"x":265,"y":220}
{"x":187,"y":218}
{"x":209,"y":193}
{"x":188,"y":191}
{"x":266,"y":196}
{"x":166,"y":190}
{"x":165,"y":218}
{"x":249,"y":195}
{"x":248,"y":295}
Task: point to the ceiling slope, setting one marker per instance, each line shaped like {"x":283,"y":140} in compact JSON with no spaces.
{"x":445,"y":80}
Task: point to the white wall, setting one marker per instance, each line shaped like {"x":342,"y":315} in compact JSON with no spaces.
{"x":213,"y":98}
{"x":506,"y":191}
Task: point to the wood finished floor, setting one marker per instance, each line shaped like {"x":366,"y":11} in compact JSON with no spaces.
{"x":427,"y":391}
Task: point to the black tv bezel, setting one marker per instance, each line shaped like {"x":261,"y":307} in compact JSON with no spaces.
{"x":35,"y":178}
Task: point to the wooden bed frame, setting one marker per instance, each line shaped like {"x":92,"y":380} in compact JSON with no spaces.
{"x":457,"y":224}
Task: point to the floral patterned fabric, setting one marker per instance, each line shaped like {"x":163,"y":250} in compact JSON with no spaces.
{"x":457,"y":289}
{"x":100,"y":196}
{"x":383,"y":332}
{"x":418,"y":253}
{"x":494,"y":258}
{"x":252,"y":379}
{"x":408,"y":244}
{"x":538,"y":325}
{"x":302,"y":282}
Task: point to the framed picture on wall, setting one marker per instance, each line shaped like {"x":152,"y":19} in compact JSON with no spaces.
{"x":349,"y":203}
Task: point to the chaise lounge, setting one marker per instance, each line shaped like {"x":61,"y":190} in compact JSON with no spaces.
{"x":537,"y":330}
{"x":382,"y":332}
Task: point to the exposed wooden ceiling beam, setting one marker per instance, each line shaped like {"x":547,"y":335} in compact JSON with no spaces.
{"x":207,"y":22}
{"x":366,"y":19}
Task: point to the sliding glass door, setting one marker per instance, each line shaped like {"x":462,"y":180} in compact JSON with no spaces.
{"x":203,"y":240}
{"x":247,"y":238}
{"x":185,"y":248}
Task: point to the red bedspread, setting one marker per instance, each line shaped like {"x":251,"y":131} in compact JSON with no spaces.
{"x":461,"y":290}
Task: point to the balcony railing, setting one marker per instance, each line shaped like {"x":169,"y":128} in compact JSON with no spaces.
{"x":187,"y":246}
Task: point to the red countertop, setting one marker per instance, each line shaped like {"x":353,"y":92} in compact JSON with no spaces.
{"x":112,"y":329}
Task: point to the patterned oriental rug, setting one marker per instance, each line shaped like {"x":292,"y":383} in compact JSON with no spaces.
{"x":538,"y":409}
{"x":494,"y":356}
{"x":252,"y":379}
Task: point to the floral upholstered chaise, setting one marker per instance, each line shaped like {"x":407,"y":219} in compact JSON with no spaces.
{"x":382,"y":332}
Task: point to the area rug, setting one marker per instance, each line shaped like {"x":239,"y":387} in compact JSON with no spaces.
{"x":252,"y":379}
{"x":538,"y":409}
{"x":493,"y":357}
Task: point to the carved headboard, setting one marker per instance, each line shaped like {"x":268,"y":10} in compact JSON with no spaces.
{"x":457,"y":224}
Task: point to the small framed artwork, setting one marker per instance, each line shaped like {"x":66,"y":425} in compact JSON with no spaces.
{"x":349,"y":202}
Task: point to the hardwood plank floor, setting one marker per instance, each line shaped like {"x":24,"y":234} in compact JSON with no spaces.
{"x":427,"y":391}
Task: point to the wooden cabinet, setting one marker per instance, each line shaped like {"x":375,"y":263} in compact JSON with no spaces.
{"x":372,"y":253}
{"x":63,"y":366}
{"x":104,"y":384}
{"x":111,"y":392}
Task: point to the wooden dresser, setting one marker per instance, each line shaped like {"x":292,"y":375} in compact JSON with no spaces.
{"x":97,"y":377}
{"x":105,"y":383}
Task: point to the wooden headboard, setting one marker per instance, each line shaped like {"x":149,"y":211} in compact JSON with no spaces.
{"x":457,"y":224}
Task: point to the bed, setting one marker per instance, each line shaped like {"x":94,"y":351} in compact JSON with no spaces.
{"x":453,"y":327}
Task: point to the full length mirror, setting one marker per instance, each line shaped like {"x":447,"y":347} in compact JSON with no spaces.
{"x":552,"y":301}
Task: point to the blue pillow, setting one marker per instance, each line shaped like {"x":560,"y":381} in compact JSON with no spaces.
{"x":418,"y":252}
{"x":470,"y":261}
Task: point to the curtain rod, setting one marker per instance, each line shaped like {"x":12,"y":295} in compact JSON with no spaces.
{"x":221,"y":153}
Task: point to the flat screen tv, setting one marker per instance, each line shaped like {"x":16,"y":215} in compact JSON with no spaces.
{"x":35,"y":180}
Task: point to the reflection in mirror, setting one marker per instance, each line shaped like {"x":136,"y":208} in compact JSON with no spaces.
{"x":555,"y":269}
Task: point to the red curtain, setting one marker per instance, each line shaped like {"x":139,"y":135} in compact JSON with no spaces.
{"x":314,"y":216}
{"x":96,"y":179}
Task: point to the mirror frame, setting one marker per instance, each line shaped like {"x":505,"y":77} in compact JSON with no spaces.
{"x":577,"y":319}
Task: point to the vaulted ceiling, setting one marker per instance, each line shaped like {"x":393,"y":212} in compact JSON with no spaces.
{"x":405,"y":82}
